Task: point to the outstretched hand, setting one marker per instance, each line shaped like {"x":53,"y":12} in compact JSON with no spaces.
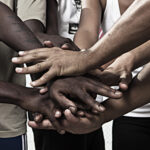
{"x":55,"y":61}
{"x":71,"y":92}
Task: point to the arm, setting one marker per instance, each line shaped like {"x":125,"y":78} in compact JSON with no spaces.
{"x":132,"y":99}
{"x":87,"y":34}
{"x":119,"y":72}
{"x":14,"y":33}
{"x":111,"y":46}
{"x":52,"y":22}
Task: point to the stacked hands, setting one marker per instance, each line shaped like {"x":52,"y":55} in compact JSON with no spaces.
{"x":68,"y":103}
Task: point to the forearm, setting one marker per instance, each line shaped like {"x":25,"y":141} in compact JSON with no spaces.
{"x":87,"y":34}
{"x":10,"y":93}
{"x":52,"y":22}
{"x":131,"y":31}
{"x":35,"y":26}
{"x":14,"y":32}
{"x":137,"y":95}
{"x":141,"y":55}
{"x":85,"y":39}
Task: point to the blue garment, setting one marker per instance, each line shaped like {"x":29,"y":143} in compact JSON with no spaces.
{"x":16,"y":143}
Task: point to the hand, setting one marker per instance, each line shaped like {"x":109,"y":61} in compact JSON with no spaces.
{"x":119,"y":73}
{"x":57,"y":61}
{"x":73,"y":124}
{"x":70,"y":92}
{"x":32,"y":101}
{"x":57,"y":41}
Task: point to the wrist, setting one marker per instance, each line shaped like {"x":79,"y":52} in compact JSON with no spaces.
{"x":87,"y":58}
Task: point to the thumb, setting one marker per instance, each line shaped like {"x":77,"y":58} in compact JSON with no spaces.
{"x":125,"y":81}
{"x":48,"y":44}
{"x":65,"y":46}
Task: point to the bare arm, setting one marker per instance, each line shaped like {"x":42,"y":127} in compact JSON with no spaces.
{"x":14,"y":32}
{"x":88,"y":32}
{"x":137,"y":95}
{"x":130,"y":31}
{"x":52,"y":24}
{"x":120,"y":39}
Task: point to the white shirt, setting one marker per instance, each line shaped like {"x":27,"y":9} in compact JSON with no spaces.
{"x":111,"y":16}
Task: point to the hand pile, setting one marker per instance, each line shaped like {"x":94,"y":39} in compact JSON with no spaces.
{"x":68,"y":103}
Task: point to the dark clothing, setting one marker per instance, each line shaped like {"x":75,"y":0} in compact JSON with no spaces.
{"x":51,"y":140}
{"x":131,"y":133}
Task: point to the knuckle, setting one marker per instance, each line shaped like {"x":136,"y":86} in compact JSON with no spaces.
{"x":38,"y":67}
{"x":45,"y":77}
{"x":34,"y":55}
{"x":25,"y":69}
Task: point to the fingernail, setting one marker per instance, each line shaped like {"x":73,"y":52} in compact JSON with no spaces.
{"x":95,"y":111}
{"x":62,"y":132}
{"x":14,"y":59}
{"x":118,"y":93}
{"x":102,"y":108}
{"x":73,"y":109}
{"x":19,"y":70}
{"x":58,"y":114}
{"x":21,"y":53}
{"x":43,"y":91}
{"x":33,"y":83}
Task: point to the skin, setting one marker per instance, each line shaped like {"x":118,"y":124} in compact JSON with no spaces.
{"x":85,"y":93}
{"x":15,"y":94}
{"x":132,"y":99}
{"x":70,"y":82}
{"x":103,"y":90}
{"x":102,"y":52}
{"x":119,"y":70}
{"x":27,"y":98}
{"x":27,"y":40}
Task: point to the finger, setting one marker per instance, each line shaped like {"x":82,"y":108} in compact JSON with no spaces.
{"x":88,"y":115}
{"x":39,"y":67}
{"x":89,"y":101}
{"x":37,"y":56}
{"x":45,"y":78}
{"x":44,"y":90}
{"x":38,"y":118}
{"x":66,"y":46}
{"x":58,"y":114}
{"x":62,"y":132}
{"x":48,"y":44}
{"x":80,"y":113}
{"x":96,"y":73}
{"x":53,"y":113}
{"x":63,"y":101}
{"x":125,"y":81}
{"x":70,"y":117}
{"x":123,"y":85}
{"x":23,"y":53}
{"x":70,"y":46}
{"x":46,"y":124}
{"x":104,"y":90}
{"x":55,"y":123}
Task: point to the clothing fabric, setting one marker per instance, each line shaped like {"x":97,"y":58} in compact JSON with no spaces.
{"x":111,"y":16}
{"x":51,"y":140}
{"x":13,"y":118}
{"x":15,"y":143}
{"x":130,"y":133}
{"x":68,"y":17}
{"x":28,"y":9}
